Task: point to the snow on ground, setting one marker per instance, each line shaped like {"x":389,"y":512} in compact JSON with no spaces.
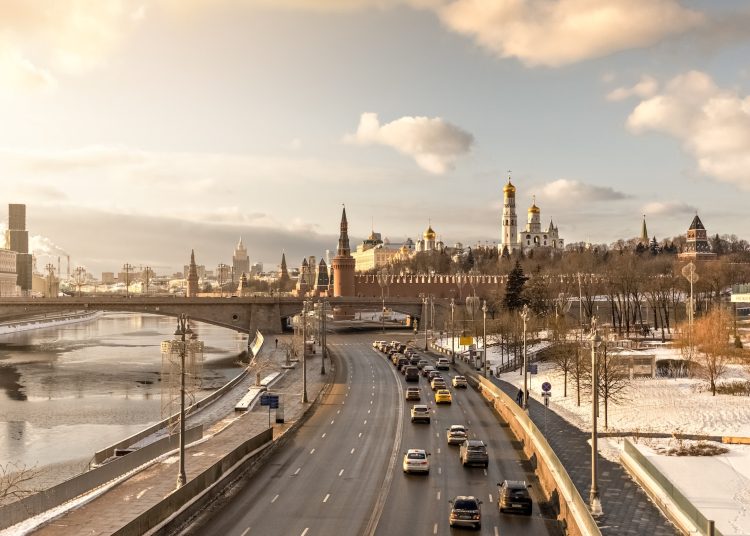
{"x":719,"y":486}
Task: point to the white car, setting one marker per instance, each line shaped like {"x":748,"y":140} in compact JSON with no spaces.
{"x":457,"y":434}
{"x":443,"y":364}
{"x":416,"y":461}
{"x":459,"y":381}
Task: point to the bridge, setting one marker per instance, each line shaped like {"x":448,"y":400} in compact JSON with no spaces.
{"x":243,"y":314}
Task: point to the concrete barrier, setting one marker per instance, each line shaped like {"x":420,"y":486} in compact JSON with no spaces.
{"x":55,"y":496}
{"x":667,"y":497}
{"x":556,"y":483}
{"x":109,"y":451}
{"x":195,"y":486}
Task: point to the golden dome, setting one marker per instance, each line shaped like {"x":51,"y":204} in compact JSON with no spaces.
{"x":509,"y":188}
{"x":533,"y":209}
{"x":429,"y":234}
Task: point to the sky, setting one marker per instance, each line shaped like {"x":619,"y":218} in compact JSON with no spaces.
{"x":137,"y":130}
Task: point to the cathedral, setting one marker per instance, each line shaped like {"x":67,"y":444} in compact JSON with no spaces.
{"x":530,"y":237}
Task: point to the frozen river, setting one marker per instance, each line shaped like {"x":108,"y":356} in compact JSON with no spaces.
{"x":66,"y":392}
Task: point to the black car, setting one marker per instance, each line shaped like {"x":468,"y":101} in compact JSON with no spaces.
{"x":466,"y":511}
{"x":513,"y":496}
{"x":411,"y":374}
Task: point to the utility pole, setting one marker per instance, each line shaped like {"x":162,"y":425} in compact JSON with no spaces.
{"x":323,"y":305}
{"x":128,"y":268}
{"x":304,"y":352}
{"x":596,"y":340}
{"x":525,"y":317}
{"x":424,"y":318}
{"x":147,"y":277}
{"x":484,"y":334}
{"x":453,"y":333}
{"x":50,"y":278}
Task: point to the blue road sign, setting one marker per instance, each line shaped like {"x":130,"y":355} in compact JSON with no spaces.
{"x":533,"y":368}
{"x":274,"y":403}
{"x":265,"y":399}
{"x":546,"y":386}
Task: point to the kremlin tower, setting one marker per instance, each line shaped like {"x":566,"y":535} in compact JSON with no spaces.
{"x":343,"y":263}
{"x":192,"y":277}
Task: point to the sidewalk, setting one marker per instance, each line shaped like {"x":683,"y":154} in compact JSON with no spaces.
{"x":627,"y":508}
{"x":114,"y":508}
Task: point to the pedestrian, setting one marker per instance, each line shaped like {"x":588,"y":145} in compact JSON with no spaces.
{"x":519,"y":397}
{"x":277,"y":343}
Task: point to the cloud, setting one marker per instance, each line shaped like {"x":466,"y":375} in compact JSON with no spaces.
{"x":554,"y":33}
{"x":576,"y":191}
{"x":434,"y":143}
{"x":646,"y":87}
{"x":668,"y":208}
{"x":712,"y":123}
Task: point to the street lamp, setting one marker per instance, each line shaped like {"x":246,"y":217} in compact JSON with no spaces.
{"x":484,"y":334}
{"x":128,"y":268}
{"x":525,"y":317}
{"x":185,"y":344}
{"x":304,"y":352}
{"x":323,"y":335}
{"x":594,"y":502}
{"x":424,"y":318}
{"x":383,"y":281}
{"x":453,"y":333}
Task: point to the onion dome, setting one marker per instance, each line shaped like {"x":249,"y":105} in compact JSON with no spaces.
{"x":509,"y":188}
{"x":429,"y":234}
{"x":533,"y":209}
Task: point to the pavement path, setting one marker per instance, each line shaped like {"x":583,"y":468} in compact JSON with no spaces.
{"x":114,"y":508}
{"x":628,"y":511}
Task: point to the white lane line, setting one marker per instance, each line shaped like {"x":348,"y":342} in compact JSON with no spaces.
{"x":490,"y":497}
{"x":438,"y":495}
{"x":468,"y":422}
{"x":339,"y":411}
{"x":368,"y":411}
{"x":325,"y":499}
{"x":434,"y":529}
{"x":245,"y":531}
{"x":440,"y":470}
{"x":370,"y":401}
{"x":333,"y":421}
{"x":485,"y":472}
{"x":312,"y":451}
{"x":323,"y":436}
{"x":304,"y":532}
{"x":438,"y":451}
{"x":297,"y":471}
{"x":341,"y":472}
{"x":497,"y":532}
{"x":360,"y":434}
{"x":437,"y":434}
{"x":352,"y":451}
{"x":274,"y":499}
{"x":365,"y":421}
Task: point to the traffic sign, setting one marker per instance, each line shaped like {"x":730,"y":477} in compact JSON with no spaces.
{"x":546,"y":386}
{"x":264,"y":399}
{"x":272,"y":401}
{"x":532,"y":368}
{"x":546,"y":394}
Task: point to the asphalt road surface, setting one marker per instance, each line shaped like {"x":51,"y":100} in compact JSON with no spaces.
{"x":341,"y":474}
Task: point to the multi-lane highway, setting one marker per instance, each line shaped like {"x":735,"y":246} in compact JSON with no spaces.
{"x":341,"y":473}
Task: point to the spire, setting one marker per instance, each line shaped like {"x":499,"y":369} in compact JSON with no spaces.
{"x":192,"y":257}
{"x":344,"y":250}
{"x":644,"y":232}
{"x":283,"y":261}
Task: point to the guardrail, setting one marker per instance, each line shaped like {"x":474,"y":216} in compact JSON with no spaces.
{"x":552,"y":474}
{"x":55,"y":496}
{"x":688,"y":518}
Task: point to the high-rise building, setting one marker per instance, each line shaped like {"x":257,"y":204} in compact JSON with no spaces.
{"x":240,"y":261}
{"x":17,"y":239}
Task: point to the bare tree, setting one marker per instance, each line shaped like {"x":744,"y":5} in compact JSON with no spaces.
{"x":711,"y":334}
{"x":15,"y":482}
{"x":563,"y":356}
{"x":579,"y":371}
{"x":614,"y":379}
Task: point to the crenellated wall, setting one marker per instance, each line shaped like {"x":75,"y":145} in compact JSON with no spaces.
{"x":438,"y":285}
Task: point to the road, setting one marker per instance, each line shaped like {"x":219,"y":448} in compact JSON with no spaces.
{"x":341,"y":473}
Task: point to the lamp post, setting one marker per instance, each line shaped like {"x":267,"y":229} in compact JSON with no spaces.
{"x":689,"y":273}
{"x":323,"y":335}
{"x":525,"y":317}
{"x":484,"y":334}
{"x":304,"y":352}
{"x":453,"y":333}
{"x":424,"y":319}
{"x":594,"y":502}
{"x":222,"y":276}
{"x":383,"y":281}
{"x":128,"y":268}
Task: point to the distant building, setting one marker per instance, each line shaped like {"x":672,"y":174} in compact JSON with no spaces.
{"x":256,"y":268}
{"x":375,"y":253}
{"x":17,"y":239}
{"x":200,"y":269}
{"x":108,"y":278}
{"x":530,"y":237}
{"x":8,"y":277}
{"x":240,"y":261}
{"x":697,"y":246}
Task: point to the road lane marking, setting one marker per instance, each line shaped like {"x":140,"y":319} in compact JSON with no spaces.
{"x":274,"y":499}
{"x":485,"y":472}
{"x":438,"y":495}
{"x":497,"y":532}
{"x":312,"y":451}
{"x":438,"y":451}
{"x":341,"y":472}
{"x":490,"y":497}
{"x":326,"y":497}
{"x":297,"y":471}
{"x":304,"y":532}
{"x":352,"y":451}
{"x":437,"y":434}
{"x":368,"y":411}
{"x":434,"y":529}
{"x":339,"y":411}
{"x":370,"y":401}
{"x":468,"y":422}
{"x":365,"y":421}
{"x":360,"y":434}
{"x":245,"y":531}
{"x":440,"y":470}
{"x":333,"y":421}
{"x":323,"y":436}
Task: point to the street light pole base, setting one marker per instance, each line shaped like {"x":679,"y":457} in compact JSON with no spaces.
{"x":595,"y":504}
{"x":181,"y":479}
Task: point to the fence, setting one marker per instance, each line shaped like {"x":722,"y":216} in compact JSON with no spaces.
{"x":70,"y":489}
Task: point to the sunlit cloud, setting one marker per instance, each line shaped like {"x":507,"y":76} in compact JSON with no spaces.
{"x":434,"y":143}
{"x":668,"y":208}
{"x":567,"y":191}
{"x":712,"y":123}
{"x":646,"y":87}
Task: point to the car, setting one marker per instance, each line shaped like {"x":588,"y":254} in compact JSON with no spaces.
{"x":460,"y":382}
{"x":414,"y":361}
{"x":434,"y":374}
{"x":426,"y":371}
{"x":443,"y":364}
{"x":395,"y":356}
{"x":413,"y":393}
{"x":420,"y":413}
{"x":422,"y":363}
{"x":377,"y":344}
{"x":466,"y":511}
{"x":443,"y":396}
{"x":514,"y":496}
{"x":416,"y":461}
{"x":411,"y":374}
{"x":438,"y":383}
{"x":457,"y":434}
{"x":401,"y":364}
{"x":474,"y":452}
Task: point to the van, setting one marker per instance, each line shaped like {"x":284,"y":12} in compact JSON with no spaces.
{"x":411,"y":374}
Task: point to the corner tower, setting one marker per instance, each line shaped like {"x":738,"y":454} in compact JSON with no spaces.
{"x":192,"y":277}
{"x":343,"y":263}
{"x":509,"y":236}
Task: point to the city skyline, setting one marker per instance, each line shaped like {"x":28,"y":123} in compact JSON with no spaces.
{"x":200,"y":122}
